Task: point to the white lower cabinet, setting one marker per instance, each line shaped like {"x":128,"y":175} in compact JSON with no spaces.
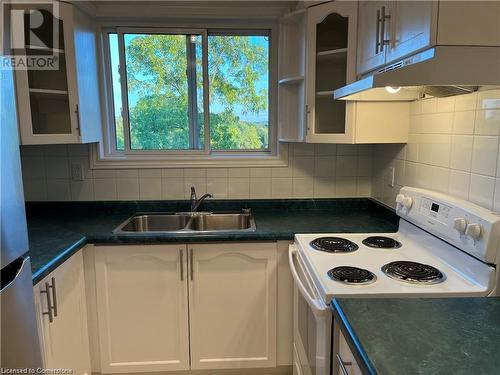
{"x":62,"y":317}
{"x":145,"y":324}
{"x":232,"y":302}
{"x":142,"y":308}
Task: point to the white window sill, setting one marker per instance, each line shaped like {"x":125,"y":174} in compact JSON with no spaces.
{"x":98,"y":161}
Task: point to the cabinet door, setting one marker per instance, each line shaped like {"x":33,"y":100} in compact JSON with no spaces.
{"x":232,"y":301}
{"x":142,"y":308}
{"x":331,"y":41}
{"x":47,"y":98}
{"x":411,"y":27}
{"x":370,"y":53}
{"x":64,"y":341}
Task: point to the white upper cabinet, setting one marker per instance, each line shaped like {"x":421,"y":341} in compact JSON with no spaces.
{"x":331,"y":41}
{"x":62,"y":317}
{"x":318,"y":56}
{"x":232,"y":302}
{"x":392,"y":30}
{"x":142,"y":308}
{"x":370,"y":53}
{"x":62,"y":105}
{"x":410,"y":28}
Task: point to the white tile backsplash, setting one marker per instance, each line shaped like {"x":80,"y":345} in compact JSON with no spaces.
{"x":482,"y":190}
{"x":314,"y":170}
{"x":105,"y":189}
{"x":452,"y":147}
{"x":82,"y":190}
{"x":150,"y":188}
{"x":463,"y":122}
{"x":238,"y":188}
{"x":127,"y":189}
{"x":487,"y":122}
{"x":461,"y":152}
{"x":172,"y":188}
{"x":484,"y":155}
{"x":218,"y":187}
{"x":260,"y":188}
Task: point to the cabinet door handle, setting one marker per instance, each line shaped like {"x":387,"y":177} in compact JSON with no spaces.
{"x":191,"y":263}
{"x":77,"y":113}
{"x":343,"y":364}
{"x":49,"y":302}
{"x":383,"y":17}
{"x":54,"y":296}
{"x":377,"y":34}
{"x":181,"y":255}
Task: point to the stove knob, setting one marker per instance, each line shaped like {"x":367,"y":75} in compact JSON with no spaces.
{"x":460,"y":224}
{"x":407,"y":202}
{"x":473,"y":230}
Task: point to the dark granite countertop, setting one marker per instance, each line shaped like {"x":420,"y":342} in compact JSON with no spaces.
{"x":58,"y":229}
{"x":422,"y":336}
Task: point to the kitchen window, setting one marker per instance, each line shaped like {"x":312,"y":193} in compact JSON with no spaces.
{"x":189,"y":92}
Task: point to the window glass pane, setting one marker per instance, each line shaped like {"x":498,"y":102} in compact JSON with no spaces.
{"x":115,"y":86}
{"x":238,"y":68}
{"x":158,"y":91}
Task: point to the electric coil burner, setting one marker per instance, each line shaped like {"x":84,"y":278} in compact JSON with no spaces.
{"x":381,"y":242}
{"x":333,"y":245}
{"x":351,"y":275}
{"x":413,"y":272}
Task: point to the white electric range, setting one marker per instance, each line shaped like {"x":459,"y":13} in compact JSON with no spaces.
{"x":445,"y":247}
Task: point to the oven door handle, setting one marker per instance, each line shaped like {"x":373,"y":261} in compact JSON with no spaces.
{"x":317,"y":305}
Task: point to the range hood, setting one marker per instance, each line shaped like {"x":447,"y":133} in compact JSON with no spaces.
{"x":440,"y":71}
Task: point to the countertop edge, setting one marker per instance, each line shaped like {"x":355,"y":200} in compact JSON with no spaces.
{"x":58,"y":260}
{"x":362,"y":359}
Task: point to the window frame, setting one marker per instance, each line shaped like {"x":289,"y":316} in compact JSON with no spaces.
{"x":107,"y":155}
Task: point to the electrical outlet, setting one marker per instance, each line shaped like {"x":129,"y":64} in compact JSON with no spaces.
{"x":391,"y":176}
{"x":77,"y":172}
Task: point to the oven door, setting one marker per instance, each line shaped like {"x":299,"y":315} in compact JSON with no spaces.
{"x":312,"y":322}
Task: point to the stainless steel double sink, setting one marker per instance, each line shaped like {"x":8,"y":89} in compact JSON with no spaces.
{"x":188,"y":222}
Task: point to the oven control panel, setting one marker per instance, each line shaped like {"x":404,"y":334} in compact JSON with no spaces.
{"x":469,"y":227}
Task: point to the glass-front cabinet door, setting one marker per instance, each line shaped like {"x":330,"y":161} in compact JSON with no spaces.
{"x":331,"y":34}
{"x":48,"y":110}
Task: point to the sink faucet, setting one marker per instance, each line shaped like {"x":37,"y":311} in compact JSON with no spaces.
{"x":195,"y":203}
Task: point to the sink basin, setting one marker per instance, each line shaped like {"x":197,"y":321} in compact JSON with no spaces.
{"x":221,"y":222}
{"x":155,"y":223}
{"x":188,"y":222}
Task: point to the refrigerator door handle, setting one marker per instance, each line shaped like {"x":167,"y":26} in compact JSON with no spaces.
{"x":12,"y":272}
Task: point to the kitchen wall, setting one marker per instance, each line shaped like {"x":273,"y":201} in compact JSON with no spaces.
{"x":320,"y":171}
{"x":453,"y":147}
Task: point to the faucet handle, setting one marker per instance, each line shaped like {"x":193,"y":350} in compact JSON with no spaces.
{"x":193,"y":192}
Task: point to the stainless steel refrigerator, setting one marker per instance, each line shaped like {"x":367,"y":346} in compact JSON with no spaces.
{"x":19,"y":338}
